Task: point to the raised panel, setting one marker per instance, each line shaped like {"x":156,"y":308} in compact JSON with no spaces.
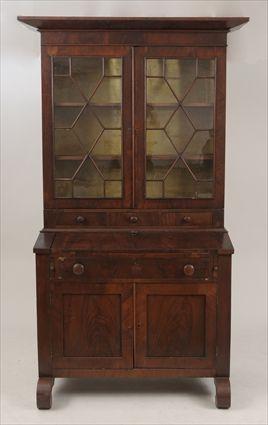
{"x":98,"y":319}
{"x":92,"y":325}
{"x":175,"y":326}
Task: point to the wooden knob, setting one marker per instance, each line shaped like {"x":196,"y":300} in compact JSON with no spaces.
{"x":134,"y":233}
{"x":78,"y":269}
{"x":133,"y":219}
{"x":188,"y":270}
{"x":80,"y":219}
{"x":187,"y":219}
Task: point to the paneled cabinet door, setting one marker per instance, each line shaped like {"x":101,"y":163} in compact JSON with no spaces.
{"x":179,"y":122}
{"x":92,"y":326}
{"x":175,"y":325}
{"x":87,"y":126}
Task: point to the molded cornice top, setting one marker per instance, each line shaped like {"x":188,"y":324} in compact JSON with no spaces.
{"x":112,"y":23}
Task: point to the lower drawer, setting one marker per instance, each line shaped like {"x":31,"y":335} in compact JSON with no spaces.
{"x":98,"y":267}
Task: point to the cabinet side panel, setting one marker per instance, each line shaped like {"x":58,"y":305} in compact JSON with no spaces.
{"x":47,"y":126}
{"x":43,"y":315}
{"x":224,"y":317}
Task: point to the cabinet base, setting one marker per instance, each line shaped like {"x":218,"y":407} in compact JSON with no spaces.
{"x":44,"y":393}
{"x":223,"y":393}
{"x":45,"y":385}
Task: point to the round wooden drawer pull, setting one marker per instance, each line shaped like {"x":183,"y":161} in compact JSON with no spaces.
{"x":80,"y":219}
{"x":133,"y":219}
{"x":187,"y":219}
{"x":78,"y":269}
{"x":188,"y":270}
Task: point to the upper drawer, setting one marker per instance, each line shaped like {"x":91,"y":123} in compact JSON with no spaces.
{"x":75,"y":218}
{"x":147,"y":218}
{"x":84,"y":218}
{"x":187,"y":219}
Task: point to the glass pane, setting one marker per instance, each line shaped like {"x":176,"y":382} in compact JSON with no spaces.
{"x":200,"y":145}
{"x":64,"y":117}
{"x":155,"y":67}
{"x":204,"y":189}
{"x":66,"y":91}
{"x":158,"y":91}
{"x":109,"y":91}
{"x":201,"y":93}
{"x":87,"y":73}
{"x":180,"y":95}
{"x":185,"y":69}
{"x":109,"y":143}
{"x":158,"y":143}
{"x":154,"y":189}
{"x":202,"y":118}
{"x":87,"y":97}
{"x":180,"y":75}
{"x":113,"y":189}
{"x":202,"y":169}
{"x":61,"y":66}
{"x":87,"y":128}
{"x":110,"y":169}
{"x":88,"y":182}
{"x":156,"y":169}
{"x":113,"y":67}
{"x":179,"y":183}
{"x":158,"y":117}
{"x":179,"y":129}
{"x":66,"y":168}
{"x":67,"y":143}
{"x":108,"y":117}
{"x":63,"y":189}
{"x":206,"y":68}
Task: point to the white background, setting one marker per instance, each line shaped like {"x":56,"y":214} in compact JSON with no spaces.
{"x":185,"y":401}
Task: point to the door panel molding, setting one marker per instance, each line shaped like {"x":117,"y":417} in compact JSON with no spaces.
{"x":175,"y":326}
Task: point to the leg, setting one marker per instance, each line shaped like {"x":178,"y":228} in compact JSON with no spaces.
{"x":223,"y":392}
{"x":43,"y":393}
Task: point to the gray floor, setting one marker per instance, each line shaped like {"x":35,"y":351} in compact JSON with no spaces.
{"x":134,"y":401}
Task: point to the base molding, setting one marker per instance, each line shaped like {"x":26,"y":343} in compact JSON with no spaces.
{"x":121,"y":373}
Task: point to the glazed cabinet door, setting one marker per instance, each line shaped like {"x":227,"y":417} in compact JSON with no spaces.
{"x":87,"y":128}
{"x":175,"y":325}
{"x":179,"y":127}
{"x":92,"y":326}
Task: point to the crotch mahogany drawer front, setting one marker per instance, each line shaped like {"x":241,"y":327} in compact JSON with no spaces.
{"x":99,"y":267}
{"x":187,"y":219}
{"x":134,"y":219}
{"x":76,"y":218}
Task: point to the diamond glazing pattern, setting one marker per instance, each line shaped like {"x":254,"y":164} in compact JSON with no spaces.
{"x":87,"y":95}
{"x":180,"y":127}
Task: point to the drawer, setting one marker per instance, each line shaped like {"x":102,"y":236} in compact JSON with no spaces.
{"x":135,"y":240}
{"x":75,"y":218}
{"x":134,"y":219}
{"x":182,"y":266}
{"x":187,"y":219}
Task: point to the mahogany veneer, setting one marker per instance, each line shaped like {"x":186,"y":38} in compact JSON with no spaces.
{"x":134,"y":262}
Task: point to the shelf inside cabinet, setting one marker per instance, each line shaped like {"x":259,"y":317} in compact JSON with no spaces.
{"x":173,"y":157}
{"x":91,"y":104}
{"x":175,"y":105}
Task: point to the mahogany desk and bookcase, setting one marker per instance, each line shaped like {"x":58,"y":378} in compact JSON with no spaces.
{"x":133,"y":262}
